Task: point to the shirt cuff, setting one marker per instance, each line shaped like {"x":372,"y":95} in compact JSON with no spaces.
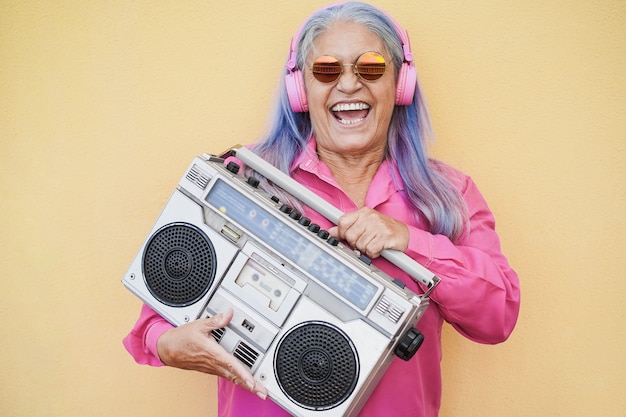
{"x":152,"y":336}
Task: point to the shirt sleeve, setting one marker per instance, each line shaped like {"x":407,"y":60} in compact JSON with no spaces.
{"x":141,"y":342}
{"x":479,"y":292}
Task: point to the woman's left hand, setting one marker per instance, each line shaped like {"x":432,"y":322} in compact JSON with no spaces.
{"x":371,"y":232}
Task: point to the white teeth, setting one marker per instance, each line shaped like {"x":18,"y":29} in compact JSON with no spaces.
{"x":350,"y":122}
{"x":350,"y":106}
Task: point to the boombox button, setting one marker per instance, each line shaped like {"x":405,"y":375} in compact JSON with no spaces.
{"x":285,"y":209}
{"x":399,"y":283}
{"x":295,"y":215}
{"x":332,"y":241}
{"x":323,"y":234}
{"x":314,"y":228}
{"x":233,"y":167}
{"x":304,"y":221}
{"x":275,"y":199}
{"x":365,"y":259}
{"x":253,"y":182}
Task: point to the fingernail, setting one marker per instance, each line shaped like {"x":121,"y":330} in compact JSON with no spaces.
{"x":261,"y":395}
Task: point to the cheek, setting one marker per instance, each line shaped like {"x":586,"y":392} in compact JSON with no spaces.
{"x":388,"y":92}
{"x":386,"y":106}
{"x":317,"y":98}
{"x":387,"y":100}
{"x":316,"y":94}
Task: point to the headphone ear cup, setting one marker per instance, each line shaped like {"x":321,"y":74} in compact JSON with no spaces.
{"x":294,"y":81}
{"x":405,"y":88}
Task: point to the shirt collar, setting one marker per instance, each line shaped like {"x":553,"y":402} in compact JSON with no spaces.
{"x":385,"y":183}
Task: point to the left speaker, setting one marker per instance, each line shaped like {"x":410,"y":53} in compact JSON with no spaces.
{"x":179,"y":264}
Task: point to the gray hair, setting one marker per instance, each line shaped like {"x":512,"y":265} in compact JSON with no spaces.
{"x":375,"y":20}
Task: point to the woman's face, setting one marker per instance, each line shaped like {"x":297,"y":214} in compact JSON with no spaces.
{"x":336,"y":129}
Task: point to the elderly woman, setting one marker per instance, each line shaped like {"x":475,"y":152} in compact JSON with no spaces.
{"x":351,"y":125}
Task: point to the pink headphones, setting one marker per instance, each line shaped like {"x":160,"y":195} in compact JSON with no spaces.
{"x":405,"y":86}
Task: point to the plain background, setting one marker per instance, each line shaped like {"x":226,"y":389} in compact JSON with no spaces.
{"x":104,"y":103}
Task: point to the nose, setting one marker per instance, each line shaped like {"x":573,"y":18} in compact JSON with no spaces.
{"x":349,"y":81}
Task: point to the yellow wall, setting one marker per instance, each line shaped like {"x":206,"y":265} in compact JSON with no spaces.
{"x":104,"y":103}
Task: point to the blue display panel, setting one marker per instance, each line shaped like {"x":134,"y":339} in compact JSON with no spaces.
{"x":291,"y":244}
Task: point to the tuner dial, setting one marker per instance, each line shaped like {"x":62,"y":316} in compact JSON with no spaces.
{"x":409,"y":344}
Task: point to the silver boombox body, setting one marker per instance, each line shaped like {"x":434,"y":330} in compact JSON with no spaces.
{"x":315,"y":322}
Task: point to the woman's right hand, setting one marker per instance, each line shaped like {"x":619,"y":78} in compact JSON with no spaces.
{"x":191,"y":346}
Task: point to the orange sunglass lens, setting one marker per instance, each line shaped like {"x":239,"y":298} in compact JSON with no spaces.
{"x":371,"y":66}
{"x":326,"y":69}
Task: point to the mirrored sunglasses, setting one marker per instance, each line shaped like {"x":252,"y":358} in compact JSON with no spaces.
{"x":369,"y":67}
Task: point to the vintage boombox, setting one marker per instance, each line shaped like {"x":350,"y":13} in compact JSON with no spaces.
{"x":314,"y":320}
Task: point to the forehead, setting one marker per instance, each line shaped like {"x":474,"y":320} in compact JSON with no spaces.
{"x":346,"y":40}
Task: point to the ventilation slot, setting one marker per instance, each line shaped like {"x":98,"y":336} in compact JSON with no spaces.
{"x":246,"y":354}
{"x":199,"y":178}
{"x":389,"y":310}
{"x":383,"y":305}
{"x":217,"y":334}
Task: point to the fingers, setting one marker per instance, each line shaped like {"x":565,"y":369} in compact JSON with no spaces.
{"x":192,"y":346}
{"x":219,"y":320}
{"x":227,"y":365}
{"x":238,"y":374}
{"x":371,"y":232}
{"x":231,"y":368}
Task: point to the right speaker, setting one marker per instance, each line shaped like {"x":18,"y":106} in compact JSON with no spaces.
{"x":317,"y":366}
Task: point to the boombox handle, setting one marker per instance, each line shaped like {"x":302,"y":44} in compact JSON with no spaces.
{"x":332,"y":213}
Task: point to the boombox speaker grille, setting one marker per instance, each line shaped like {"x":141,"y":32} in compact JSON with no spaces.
{"x":179,"y":264}
{"x":316,"y":365}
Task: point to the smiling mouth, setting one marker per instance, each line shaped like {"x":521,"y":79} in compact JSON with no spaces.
{"x":350,"y":113}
